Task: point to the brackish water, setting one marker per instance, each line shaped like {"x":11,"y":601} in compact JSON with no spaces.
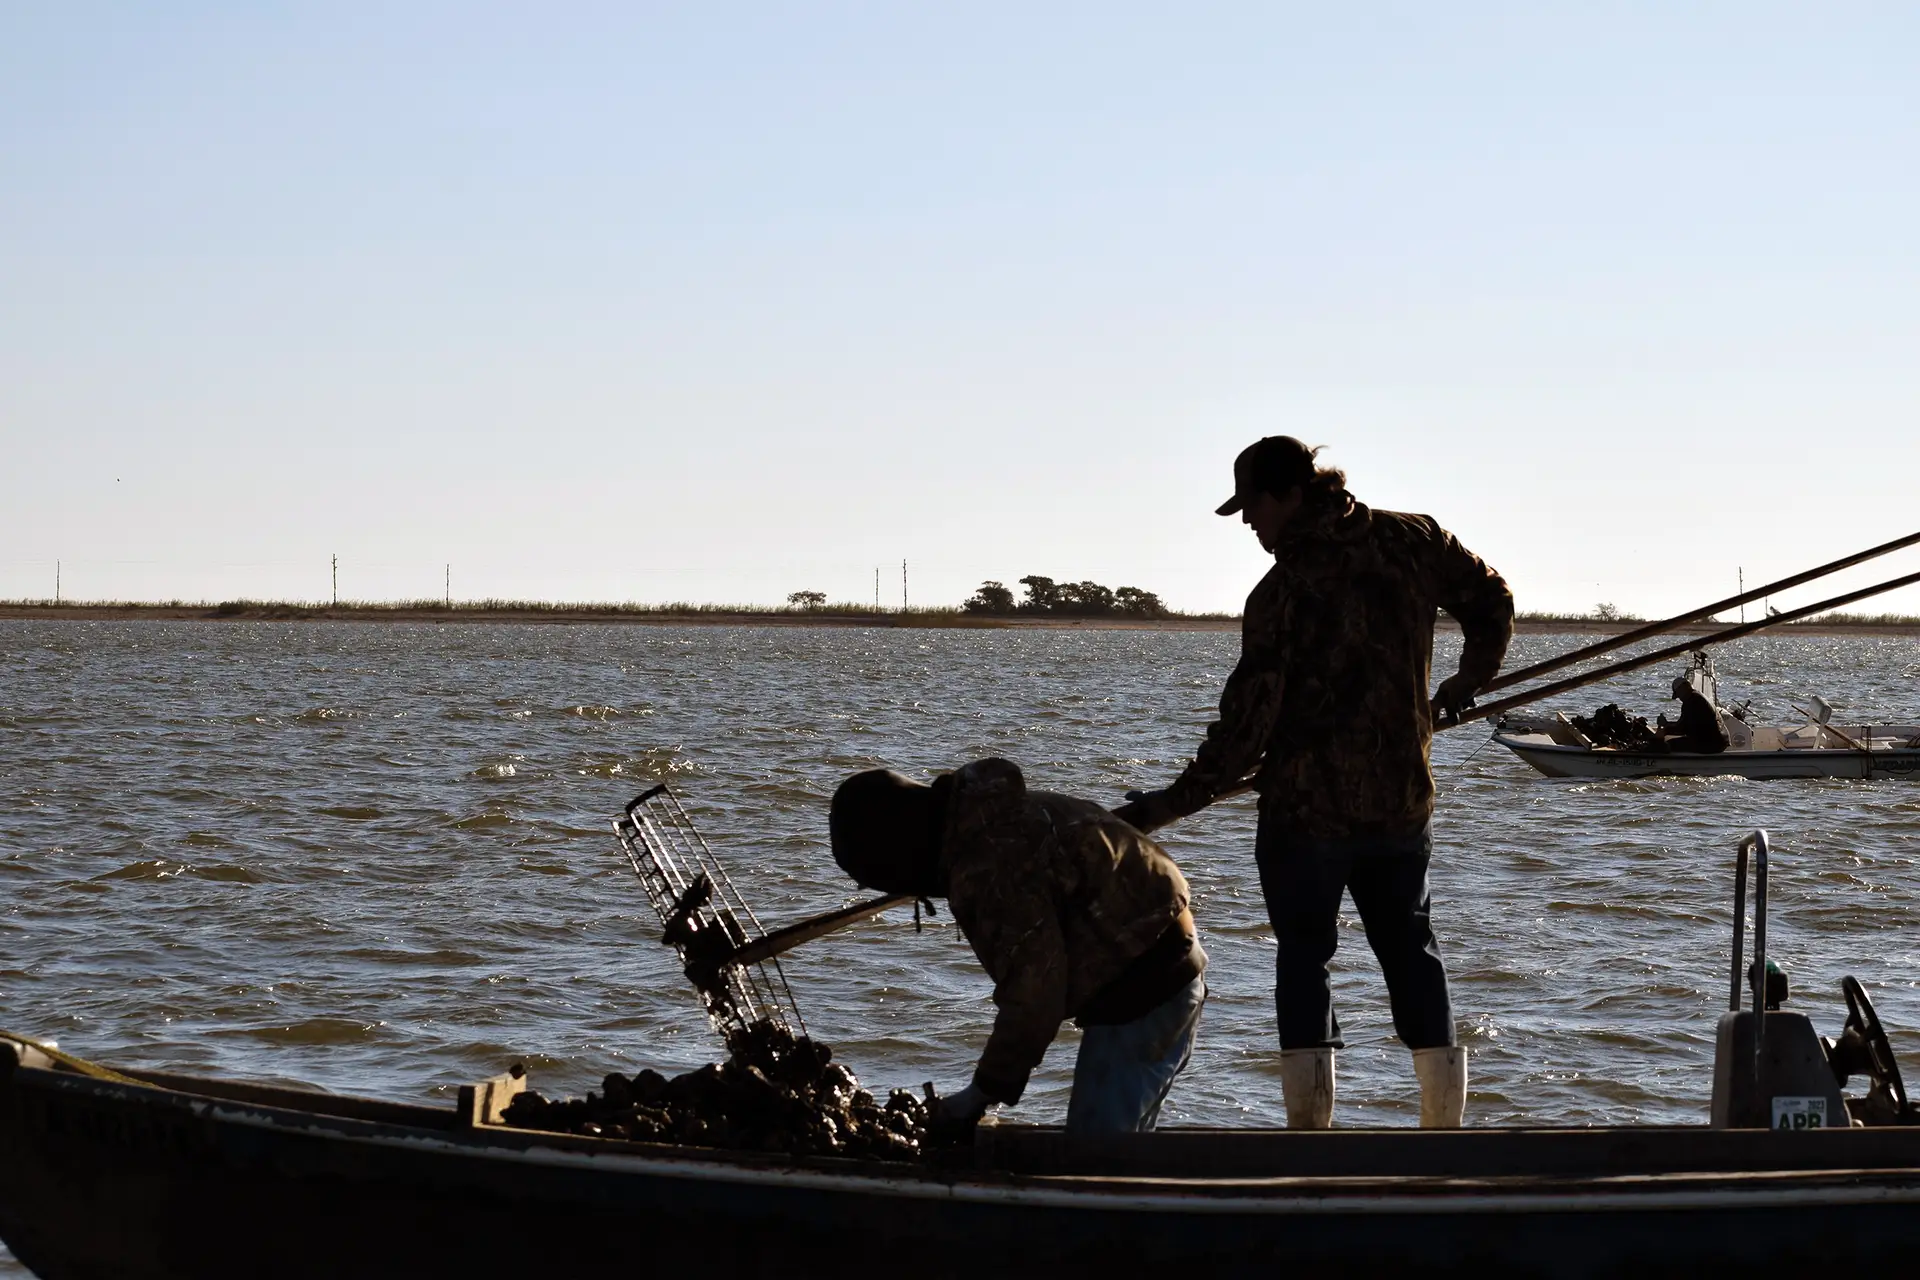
{"x":376,"y":858}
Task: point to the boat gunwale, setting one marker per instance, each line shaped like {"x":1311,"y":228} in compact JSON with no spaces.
{"x":1561,"y":761}
{"x":1282,"y":1193}
{"x":1511,"y":742}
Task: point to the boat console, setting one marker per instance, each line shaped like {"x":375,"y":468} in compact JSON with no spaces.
{"x":1771,"y":1069}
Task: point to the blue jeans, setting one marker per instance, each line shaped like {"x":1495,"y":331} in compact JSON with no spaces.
{"x":1302,"y":878}
{"x":1123,"y":1072}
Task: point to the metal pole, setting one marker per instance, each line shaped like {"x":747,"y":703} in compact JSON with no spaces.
{"x":449,"y":586}
{"x":56,"y":582}
{"x":1758,"y":843}
{"x":336,"y":581}
{"x":903,"y":586}
{"x":1743,"y":592}
{"x":876,"y":589}
{"x":1626,"y":638}
{"x":1739,"y":927}
{"x":1499,"y":705}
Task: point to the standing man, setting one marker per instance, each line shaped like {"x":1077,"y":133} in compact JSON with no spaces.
{"x":1073,"y":913}
{"x":1328,"y":713}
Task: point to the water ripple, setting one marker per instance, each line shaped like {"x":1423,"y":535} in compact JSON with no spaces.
{"x":376,"y":859}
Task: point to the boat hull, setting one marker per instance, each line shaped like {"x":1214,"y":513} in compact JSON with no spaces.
{"x":1558,"y":761}
{"x":102,"y":1179}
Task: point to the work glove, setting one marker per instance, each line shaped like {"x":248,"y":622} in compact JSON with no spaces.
{"x":955,"y":1115}
{"x":1454,"y":695}
{"x":1146,"y":811}
{"x":964,"y":1107}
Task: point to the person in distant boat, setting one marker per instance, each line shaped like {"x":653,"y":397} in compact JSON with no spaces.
{"x":1073,"y":913}
{"x":1327,"y":715}
{"x":1699,"y":728}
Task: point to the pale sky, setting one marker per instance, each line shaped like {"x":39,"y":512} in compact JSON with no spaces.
{"x":716,"y":302}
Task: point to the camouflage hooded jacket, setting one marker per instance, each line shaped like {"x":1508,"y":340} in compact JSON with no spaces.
{"x":1330,"y":700}
{"x":1057,"y":896}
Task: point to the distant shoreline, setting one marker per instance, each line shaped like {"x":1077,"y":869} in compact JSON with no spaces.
{"x":456,"y":615}
{"x":570,"y":615}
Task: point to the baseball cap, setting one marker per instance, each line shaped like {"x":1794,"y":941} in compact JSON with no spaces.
{"x":1272,"y":465}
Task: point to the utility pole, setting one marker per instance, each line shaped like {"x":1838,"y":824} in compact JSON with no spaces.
{"x":876,"y":589}
{"x":56,"y":582}
{"x":449,"y":586}
{"x":1743,"y":591}
{"x":336,"y":582}
{"x":903,"y":586}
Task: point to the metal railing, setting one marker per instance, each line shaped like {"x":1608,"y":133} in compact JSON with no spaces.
{"x":1756,"y":845}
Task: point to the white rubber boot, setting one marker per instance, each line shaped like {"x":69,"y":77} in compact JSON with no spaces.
{"x":1306,"y":1082}
{"x":1442,"y":1073}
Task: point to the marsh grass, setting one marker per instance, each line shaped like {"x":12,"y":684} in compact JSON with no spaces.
{"x":1595,"y":615}
{"x":1838,"y":619}
{"x":842,"y":612}
{"x":839,"y":611}
{"x":275,"y":610}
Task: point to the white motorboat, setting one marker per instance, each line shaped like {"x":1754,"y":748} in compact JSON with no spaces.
{"x":1817,"y":748}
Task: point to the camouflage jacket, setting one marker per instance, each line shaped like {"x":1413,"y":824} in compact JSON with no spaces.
{"x":1330,"y":700}
{"x":1057,"y":896}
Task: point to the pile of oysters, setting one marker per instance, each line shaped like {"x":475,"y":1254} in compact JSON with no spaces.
{"x":1612,"y":727}
{"x":775,"y":1092}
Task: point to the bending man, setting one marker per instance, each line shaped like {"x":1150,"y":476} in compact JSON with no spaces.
{"x":1328,"y":710}
{"x":1073,"y":913}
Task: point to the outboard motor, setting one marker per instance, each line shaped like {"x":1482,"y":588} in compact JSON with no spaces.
{"x":1770,"y":1068}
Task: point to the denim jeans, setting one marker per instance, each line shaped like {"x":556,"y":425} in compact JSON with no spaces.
{"x":1302,"y":878}
{"x":1124,"y":1072}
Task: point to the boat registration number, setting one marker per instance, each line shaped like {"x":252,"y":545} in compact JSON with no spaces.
{"x":1799,"y":1113}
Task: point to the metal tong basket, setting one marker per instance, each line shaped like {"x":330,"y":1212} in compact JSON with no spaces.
{"x":704,"y":919}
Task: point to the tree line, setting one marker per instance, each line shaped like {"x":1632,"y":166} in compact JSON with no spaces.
{"x":1065,"y":599}
{"x":1043,"y":596}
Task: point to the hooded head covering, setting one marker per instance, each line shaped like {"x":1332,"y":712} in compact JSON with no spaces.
{"x":885,"y":829}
